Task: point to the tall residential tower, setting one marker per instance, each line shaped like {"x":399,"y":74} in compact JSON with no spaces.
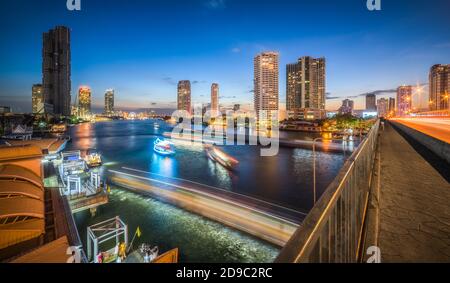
{"x":404,"y":100}
{"x":84,"y":102}
{"x":37,"y":99}
{"x":439,"y":87}
{"x":266,"y":84}
{"x":56,"y":64}
{"x":109,"y":102}
{"x":214,"y":99}
{"x":305,"y":87}
{"x":184,"y":96}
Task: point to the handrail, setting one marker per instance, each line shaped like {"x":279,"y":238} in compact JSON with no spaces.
{"x":332,"y":230}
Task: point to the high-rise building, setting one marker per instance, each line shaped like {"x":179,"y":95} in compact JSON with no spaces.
{"x":56,"y":69}
{"x":347,"y":107}
{"x":306,"y":86}
{"x":439,"y":87}
{"x":404,"y":100}
{"x":266,"y":85}
{"x":184,"y":96}
{"x":383,"y":107}
{"x":392,"y":105}
{"x":214,"y":99}
{"x":84,"y":102}
{"x":109,"y":102}
{"x":371,"y":102}
{"x":37,"y":99}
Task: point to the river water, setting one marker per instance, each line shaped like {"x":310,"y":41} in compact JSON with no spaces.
{"x":285,"y":179}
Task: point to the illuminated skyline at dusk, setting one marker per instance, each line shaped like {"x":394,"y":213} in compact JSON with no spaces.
{"x":142,"y":52}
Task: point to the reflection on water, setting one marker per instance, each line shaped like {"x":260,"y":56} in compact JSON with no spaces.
{"x":285,"y":179}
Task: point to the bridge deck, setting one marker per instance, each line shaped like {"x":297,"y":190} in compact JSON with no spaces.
{"x":414,"y":222}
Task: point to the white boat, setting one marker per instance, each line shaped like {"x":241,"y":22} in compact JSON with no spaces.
{"x":164,"y":147}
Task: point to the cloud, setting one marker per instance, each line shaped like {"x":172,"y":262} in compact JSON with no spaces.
{"x":198,"y":82}
{"x":377,"y":92}
{"x":169,"y":80}
{"x":236,"y":50}
{"x":215,"y":4}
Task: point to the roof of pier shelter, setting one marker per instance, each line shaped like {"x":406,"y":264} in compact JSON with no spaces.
{"x":9,"y":153}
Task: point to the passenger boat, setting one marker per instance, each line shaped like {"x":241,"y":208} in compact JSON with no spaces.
{"x":221,"y":157}
{"x":93,"y":158}
{"x":164,"y":147}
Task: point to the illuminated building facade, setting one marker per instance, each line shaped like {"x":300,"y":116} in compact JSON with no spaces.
{"x":184,"y":96}
{"x":84,"y":102}
{"x":383,"y":107}
{"x":214,"y":99}
{"x":109,"y":102}
{"x":266,"y":85}
{"x":37,"y":99}
{"x":439,"y":87}
{"x":404,"y":100}
{"x":56,"y":69}
{"x":306,"y":87}
{"x":347,"y":107}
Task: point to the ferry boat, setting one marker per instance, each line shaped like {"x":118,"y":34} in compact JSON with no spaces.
{"x":93,"y":158}
{"x":164,"y":147}
{"x":221,"y":157}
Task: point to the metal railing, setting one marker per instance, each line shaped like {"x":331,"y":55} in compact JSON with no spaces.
{"x":332,"y":231}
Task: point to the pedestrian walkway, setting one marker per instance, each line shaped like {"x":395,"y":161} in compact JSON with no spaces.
{"x":414,"y":215}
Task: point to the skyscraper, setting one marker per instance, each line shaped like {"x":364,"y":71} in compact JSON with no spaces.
{"x":382,"y":107}
{"x":109,"y":102}
{"x":439,"y":87}
{"x":37,"y":99}
{"x":404,"y":100}
{"x":56,"y":71}
{"x":305,"y":87}
{"x":84,"y":101}
{"x":392,"y":105}
{"x":371,"y":102}
{"x":266,"y":98}
{"x":214,"y":99}
{"x":184,"y":96}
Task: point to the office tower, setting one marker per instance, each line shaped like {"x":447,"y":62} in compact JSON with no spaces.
{"x":84,"y":102}
{"x":404,"y":100}
{"x":109,"y":102}
{"x":184,"y":96}
{"x":347,"y":107}
{"x":306,"y":87}
{"x":266,"y":87}
{"x":214,"y":99}
{"x":37,"y":99}
{"x":439,"y":87}
{"x":56,"y":69}
{"x":382,"y":107}
{"x":371,"y":102}
{"x":392,"y":105}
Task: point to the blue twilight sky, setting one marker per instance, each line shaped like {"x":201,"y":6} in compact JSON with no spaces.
{"x":141,"y":48}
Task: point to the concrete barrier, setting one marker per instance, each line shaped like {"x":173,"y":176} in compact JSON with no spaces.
{"x":438,"y":147}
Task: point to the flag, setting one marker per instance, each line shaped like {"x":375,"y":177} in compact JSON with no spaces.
{"x":138,"y":232}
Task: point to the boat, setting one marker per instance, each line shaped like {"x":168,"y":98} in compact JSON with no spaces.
{"x":164,"y":147}
{"x":221,"y":157}
{"x":93,"y":158}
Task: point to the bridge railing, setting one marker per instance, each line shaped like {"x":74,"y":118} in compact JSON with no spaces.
{"x":332,"y":231}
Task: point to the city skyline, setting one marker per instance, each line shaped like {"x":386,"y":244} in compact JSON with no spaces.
{"x":144,"y":74}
